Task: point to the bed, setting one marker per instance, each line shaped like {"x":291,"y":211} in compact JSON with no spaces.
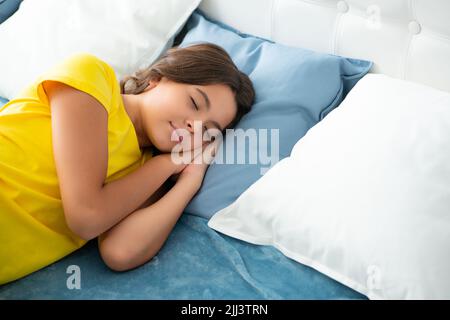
{"x":196,"y":262}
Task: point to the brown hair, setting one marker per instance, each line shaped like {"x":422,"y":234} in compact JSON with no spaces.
{"x":199,"y":64}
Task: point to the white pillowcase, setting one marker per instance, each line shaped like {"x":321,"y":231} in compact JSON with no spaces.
{"x":126,"y":34}
{"x":365,"y":196}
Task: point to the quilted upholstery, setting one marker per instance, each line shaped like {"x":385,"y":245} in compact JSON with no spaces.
{"x":407,"y":39}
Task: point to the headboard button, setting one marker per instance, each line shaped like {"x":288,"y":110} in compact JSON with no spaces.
{"x":342,"y":6}
{"x":414,"y":27}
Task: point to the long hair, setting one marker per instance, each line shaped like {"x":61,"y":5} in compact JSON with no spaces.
{"x":199,"y":64}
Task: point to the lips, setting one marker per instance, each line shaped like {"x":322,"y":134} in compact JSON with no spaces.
{"x":180,"y":138}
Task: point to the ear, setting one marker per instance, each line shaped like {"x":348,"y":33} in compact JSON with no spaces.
{"x":151,"y":85}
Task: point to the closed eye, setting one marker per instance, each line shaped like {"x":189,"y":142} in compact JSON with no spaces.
{"x":195,"y":105}
{"x":196,"y":108}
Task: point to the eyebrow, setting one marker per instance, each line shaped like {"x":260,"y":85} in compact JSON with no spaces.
{"x":208,"y":106}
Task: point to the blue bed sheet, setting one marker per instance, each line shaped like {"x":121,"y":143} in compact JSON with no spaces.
{"x":196,"y":262}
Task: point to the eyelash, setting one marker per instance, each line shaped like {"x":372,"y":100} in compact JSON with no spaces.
{"x":196,"y":108}
{"x":195,"y":105}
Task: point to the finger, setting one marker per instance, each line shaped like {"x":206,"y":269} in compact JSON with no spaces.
{"x":189,"y":155}
{"x":197,"y":152}
{"x":210,"y":152}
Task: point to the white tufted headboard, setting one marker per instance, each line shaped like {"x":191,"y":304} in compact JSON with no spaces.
{"x":407,"y":39}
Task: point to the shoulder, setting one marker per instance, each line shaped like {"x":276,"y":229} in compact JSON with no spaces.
{"x":86,"y":64}
{"x":86,"y":73}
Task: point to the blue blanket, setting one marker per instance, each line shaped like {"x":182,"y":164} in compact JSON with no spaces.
{"x":195,"y":263}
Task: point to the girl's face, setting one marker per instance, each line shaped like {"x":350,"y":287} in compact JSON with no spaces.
{"x":179,"y":114}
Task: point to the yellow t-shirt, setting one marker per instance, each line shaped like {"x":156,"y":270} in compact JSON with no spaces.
{"x":33,"y":230}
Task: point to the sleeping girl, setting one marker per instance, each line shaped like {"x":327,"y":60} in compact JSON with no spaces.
{"x":84,"y":156}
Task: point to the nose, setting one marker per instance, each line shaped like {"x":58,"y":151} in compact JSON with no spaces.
{"x":190,"y":126}
{"x":195,"y":129}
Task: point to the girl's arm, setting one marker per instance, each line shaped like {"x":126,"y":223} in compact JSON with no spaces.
{"x":80,"y":144}
{"x":138,"y":237}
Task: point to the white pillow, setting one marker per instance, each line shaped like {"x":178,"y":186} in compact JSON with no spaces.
{"x":365,"y":196}
{"x":126,"y":34}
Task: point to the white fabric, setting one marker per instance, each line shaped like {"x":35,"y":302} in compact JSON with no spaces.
{"x":365,"y":196}
{"x":126,"y":34}
{"x":406,"y":39}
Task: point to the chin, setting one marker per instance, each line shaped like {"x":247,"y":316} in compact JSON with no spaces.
{"x":164,"y":145}
{"x":159,"y":142}
{"x":165,"y":149}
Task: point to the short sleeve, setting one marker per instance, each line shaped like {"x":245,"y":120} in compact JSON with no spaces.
{"x":87,"y":73}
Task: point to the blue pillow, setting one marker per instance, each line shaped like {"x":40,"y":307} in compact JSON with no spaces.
{"x":7,"y":8}
{"x":295,"y":89}
{"x":3,"y":101}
